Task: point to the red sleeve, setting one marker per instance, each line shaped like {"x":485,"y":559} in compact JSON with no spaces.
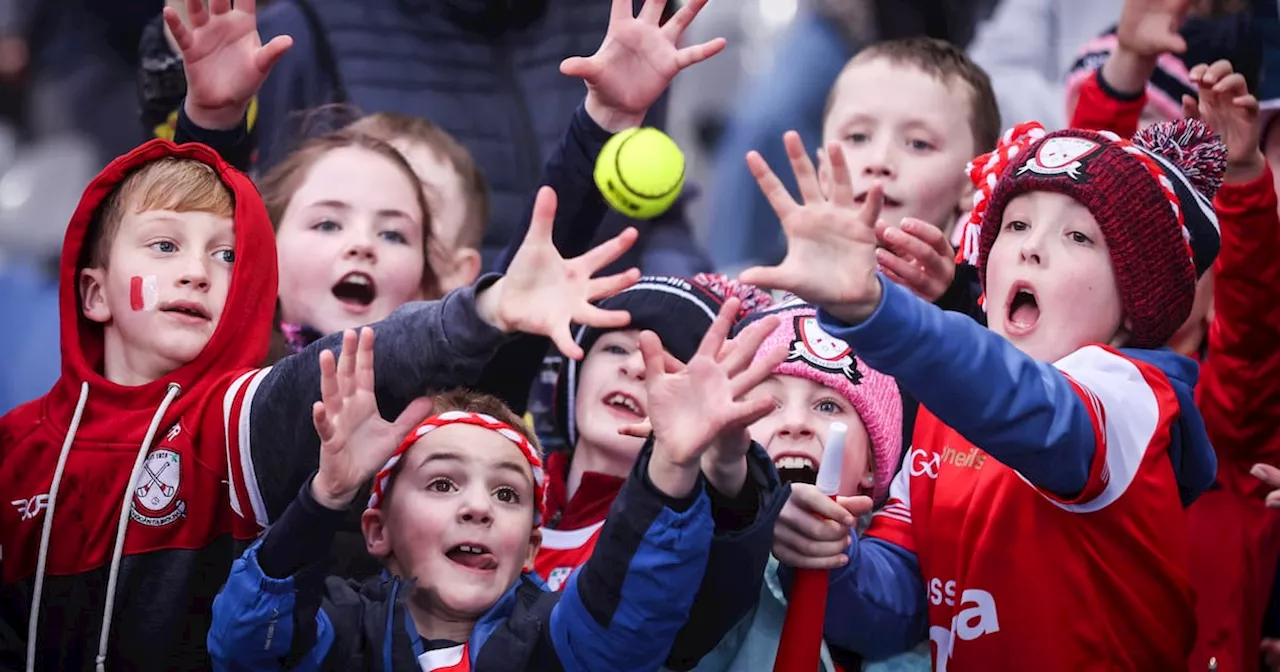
{"x":1239,"y":391}
{"x":893,"y":522}
{"x":229,"y":420}
{"x":1100,"y":108}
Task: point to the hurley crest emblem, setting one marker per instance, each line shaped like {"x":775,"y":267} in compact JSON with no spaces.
{"x":1062,"y":155}
{"x":822,"y":350}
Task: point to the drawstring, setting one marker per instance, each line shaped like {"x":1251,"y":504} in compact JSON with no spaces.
{"x":123,"y":525}
{"x":33,"y":621}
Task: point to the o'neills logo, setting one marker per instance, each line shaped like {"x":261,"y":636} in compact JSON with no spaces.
{"x":974,"y":458}
{"x":1063,"y":155}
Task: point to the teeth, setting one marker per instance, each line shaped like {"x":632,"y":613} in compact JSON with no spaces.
{"x":471,"y":549}
{"x":619,"y":399}
{"x":356,"y":279}
{"x":790,"y":462}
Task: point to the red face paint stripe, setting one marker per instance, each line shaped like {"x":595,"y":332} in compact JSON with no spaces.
{"x":135,"y":293}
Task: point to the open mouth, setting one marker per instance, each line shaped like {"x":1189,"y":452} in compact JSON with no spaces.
{"x":625,"y":403}
{"x":356,"y":288}
{"x":796,"y":469}
{"x":186,"y":308}
{"x":473,"y":556}
{"x":1024,"y":310}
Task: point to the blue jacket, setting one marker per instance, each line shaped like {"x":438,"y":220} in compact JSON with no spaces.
{"x":626,"y":609}
{"x":1021,"y":411}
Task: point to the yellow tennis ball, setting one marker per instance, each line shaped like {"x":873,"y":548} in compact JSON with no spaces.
{"x":640,"y":172}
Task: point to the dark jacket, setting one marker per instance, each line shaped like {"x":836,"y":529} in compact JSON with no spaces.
{"x":626,"y":609}
{"x":486,"y":71}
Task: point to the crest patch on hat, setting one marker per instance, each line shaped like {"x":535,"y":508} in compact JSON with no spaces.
{"x":821,"y":350}
{"x":1063,"y":155}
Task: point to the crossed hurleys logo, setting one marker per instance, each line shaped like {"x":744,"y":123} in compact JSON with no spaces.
{"x":155,"y":501}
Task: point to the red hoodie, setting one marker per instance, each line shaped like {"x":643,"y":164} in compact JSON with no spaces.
{"x":1235,"y":538}
{"x":208,"y":479}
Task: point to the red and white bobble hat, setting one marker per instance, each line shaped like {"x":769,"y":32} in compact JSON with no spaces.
{"x":489,"y":422}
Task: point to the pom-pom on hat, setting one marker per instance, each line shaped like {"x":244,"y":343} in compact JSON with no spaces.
{"x":678,"y":310}
{"x":818,"y":356}
{"x":1152,"y":198}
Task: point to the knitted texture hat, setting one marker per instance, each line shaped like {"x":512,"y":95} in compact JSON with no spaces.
{"x":678,"y":310}
{"x":1152,"y":198}
{"x":815,"y":355}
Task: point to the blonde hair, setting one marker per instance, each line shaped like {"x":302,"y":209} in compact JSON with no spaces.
{"x":389,"y":127}
{"x":170,"y":183}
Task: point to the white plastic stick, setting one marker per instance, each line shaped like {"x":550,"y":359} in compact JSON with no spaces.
{"x":829,"y":471}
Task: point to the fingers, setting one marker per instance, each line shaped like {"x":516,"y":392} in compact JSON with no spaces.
{"x":652,"y":352}
{"x":329,"y":390}
{"x":821,"y":510}
{"x":347,"y":363}
{"x":639,"y":431}
{"x":564,"y":342}
{"x":544,"y":216}
{"x":802,"y":166}
{"x":1248,"y":103}
{"x":870,"y":212}
{"x":197,"y":14}
{"x":698,"y":53}
{"x":247,"y":6}
{"x":269,"y":54}
{"x":599,"y":288}
{"x":418,"y":410}
{"x":217,"y":7}
{"x":771,"y":277}
{"x":651,"y":11}
{"x":181,"y":36}
{"x":1210,"y":75}
{"x":594,"y":316}
{"x":856,"y":506}
{"x":620,"y":12}
{"x":580,"y":67}
{"x":1190,"y":106}
{"x":755,"y":374}
{"x":1267,"y":474}
{"x":605,"y":253}
{"x":720,"y":327}
{"x":746,"y":413}
{"x":318,"y":418}
{"x":841,"y":182}
{"x":1232,"y":85}
{"x":674,"y":28}
{"x":747,"y":343}
{"x":773,"y":189}
{"x":364,"y":361}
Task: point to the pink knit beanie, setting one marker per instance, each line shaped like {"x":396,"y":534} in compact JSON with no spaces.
{"x":830,"y":362}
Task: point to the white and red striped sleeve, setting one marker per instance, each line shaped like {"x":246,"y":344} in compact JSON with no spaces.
{"x":892,"y":523}
{"x":1129,"y":402}
{"x":246,"y":497}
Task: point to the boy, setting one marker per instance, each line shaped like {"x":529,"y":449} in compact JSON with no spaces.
{"x":454,"y":513}
{"x":454,"y":188}
{"x":1074,"y":519}
{"x":164,"y":268}
{"x":932,"y":111}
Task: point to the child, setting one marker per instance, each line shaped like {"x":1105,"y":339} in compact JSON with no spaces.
{"x":161,"y":446}
{"x":933,"y":111}
{"x":819,"y":382}
{"x":1053,"y":495}
{"x":455,"y":512}
{"x":605,"y":393}
{"x":455,"y":190}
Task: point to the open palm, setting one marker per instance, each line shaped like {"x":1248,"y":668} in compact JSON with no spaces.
{"x":690,"y":405}
{"x":1150,"y":27}
{"x":831,"y":242}
{"x":638,"y":57}
{"x":224,"y":58}
{"x":355,"y":441}
{"x":543,"y":293}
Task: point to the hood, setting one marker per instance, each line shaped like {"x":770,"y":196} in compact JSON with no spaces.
{"x":490,"y":18}
{"x":243,"y":333}
{"x":1195,"y":465}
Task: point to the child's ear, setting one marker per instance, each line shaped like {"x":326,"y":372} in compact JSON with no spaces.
{"x":965,"y":204}
{"x":374,"y":525}
{"x":93,"y":295}
{"x":465,"y":268}
{"x":535,"y":545}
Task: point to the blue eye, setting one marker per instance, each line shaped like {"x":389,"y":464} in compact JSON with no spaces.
{"x":226,"y":256}
{"x":394,"y":237}
{"x":165,"y":246}
{"x":616,"y":350}
{"x":920,"y":145}
{"x":326,"y":225}
{"x":827,"y":406}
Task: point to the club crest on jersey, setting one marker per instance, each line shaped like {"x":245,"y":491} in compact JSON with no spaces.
{"x":155,"y":501}
{"x":823,"y":351}
{"x":1062,"y":155}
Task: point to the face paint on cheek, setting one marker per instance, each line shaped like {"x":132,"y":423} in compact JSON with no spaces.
{"x":144,"y":294}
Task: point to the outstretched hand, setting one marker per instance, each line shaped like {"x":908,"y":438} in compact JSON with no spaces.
{"x":1232,"y":112}
{"x":354,"y":439}
{"x":543,"y":293}
{"x":224,"y":59}
{"x":918,"y":256}
{"x":637,"y":61}
{"x":831,"y":241}
{"x":1151,"y":27}
{"x":690,"y":405}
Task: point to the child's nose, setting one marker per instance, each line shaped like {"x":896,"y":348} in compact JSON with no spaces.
{"x":476,"y":509}
{"x":360,"y":249}
{"x":633,"y":365}
{"x":794,"y":428}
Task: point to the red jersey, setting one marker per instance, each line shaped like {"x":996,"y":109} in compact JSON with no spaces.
{"x":564,"y":551}
{"x":1018,"y":578}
